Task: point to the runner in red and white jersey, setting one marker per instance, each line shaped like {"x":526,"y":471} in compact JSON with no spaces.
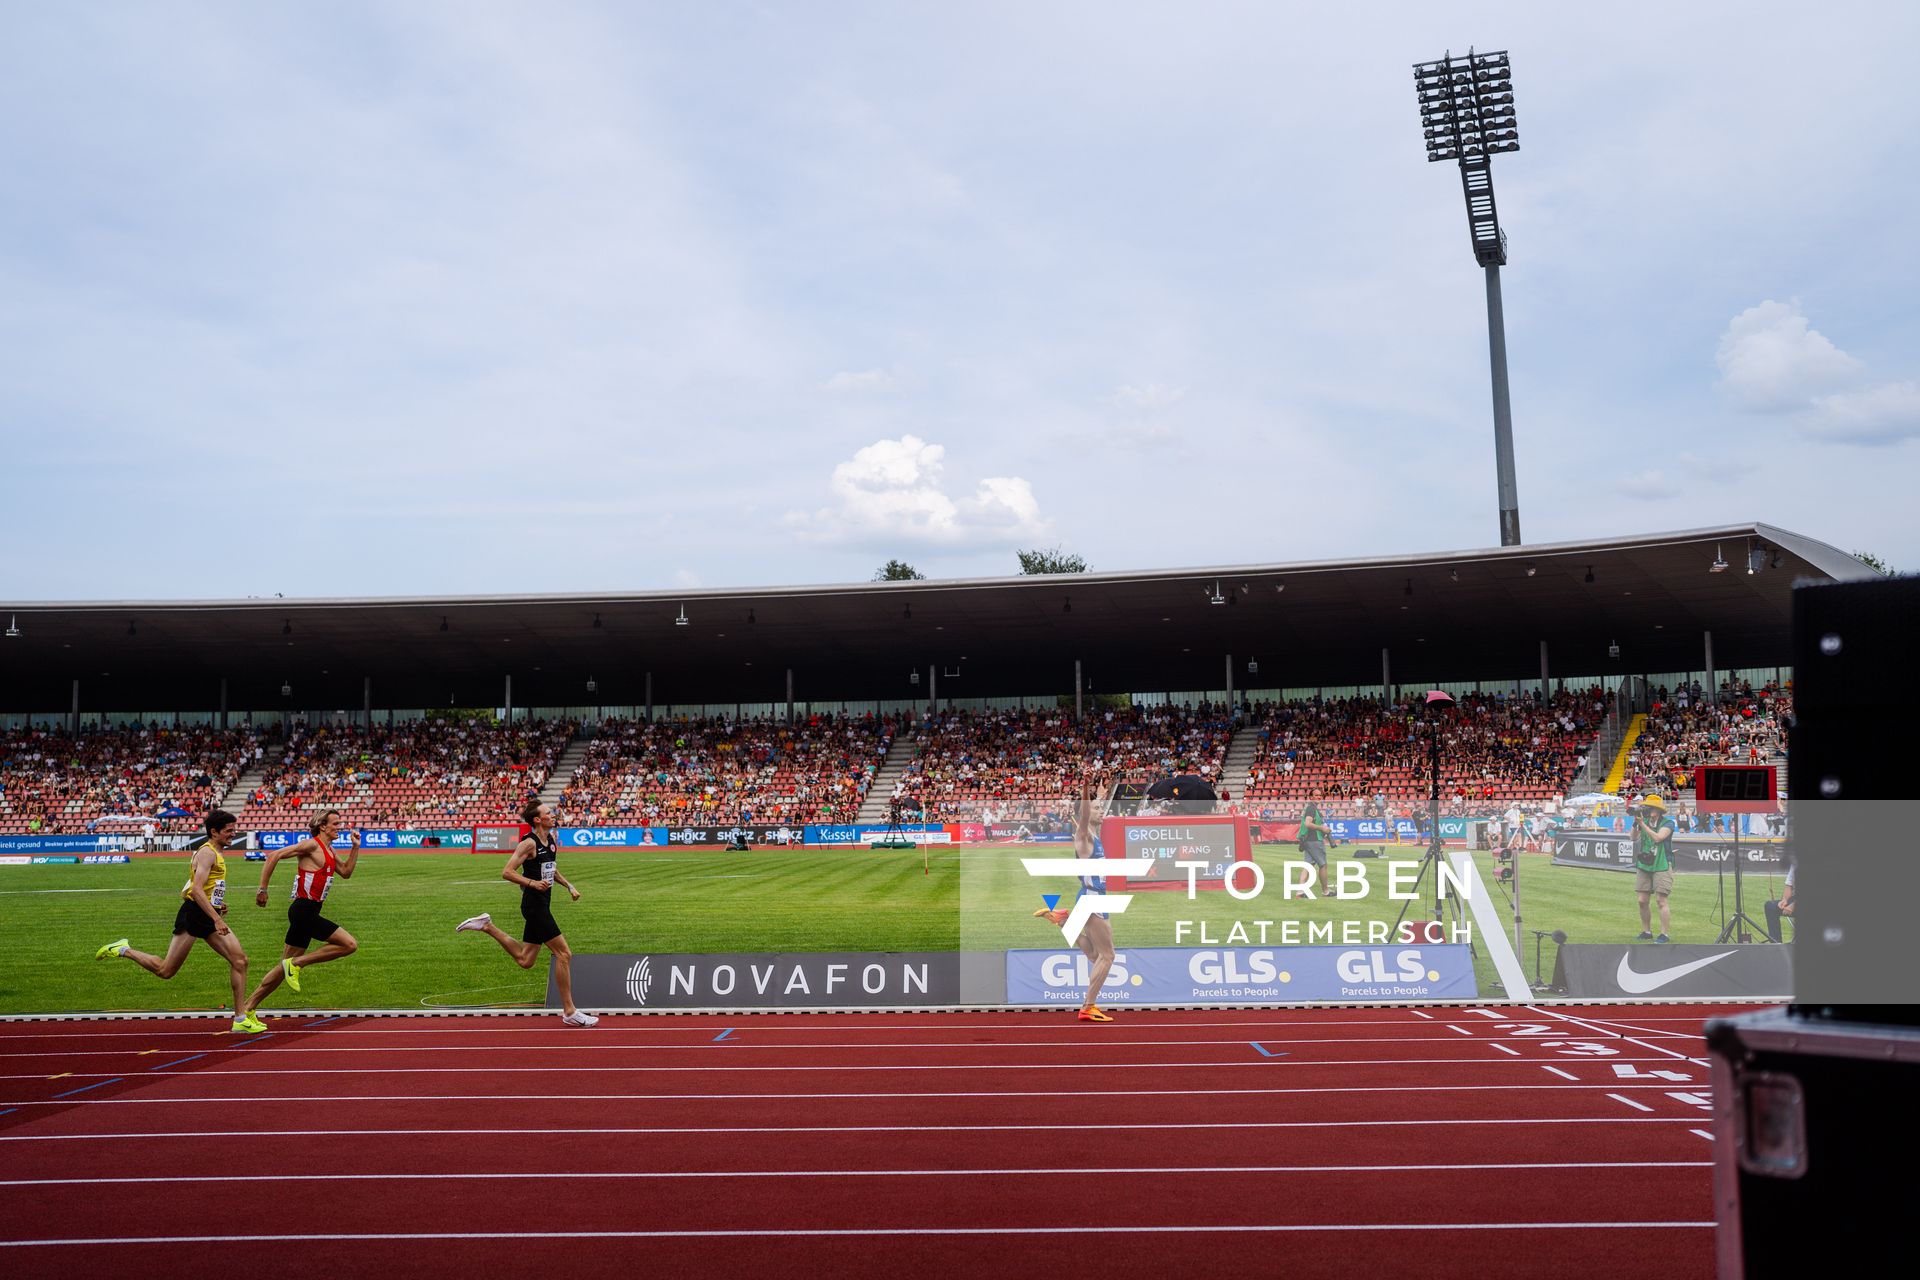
{"x":315,"y":868}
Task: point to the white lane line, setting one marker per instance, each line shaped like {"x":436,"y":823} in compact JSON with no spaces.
{"x":1508,"y":1049}
{"x":1462,"y":1030}
{"x":786,"y":1233}
{"x":316,"y":1099}
{"x":1648,"y":1031}
{"x":1490,"y":1013}
{"x":1260,"y":1064}
{"x":1707,"y":1134}
{"x":851,"y":1128}
{"x":600,"y":1045}
{"x":677,"y":1174}
{"x":1599,"y":1030}
{"x":1637,"y":1106}
{"x":770,"y":1023}
{"x":1557,"y":1071}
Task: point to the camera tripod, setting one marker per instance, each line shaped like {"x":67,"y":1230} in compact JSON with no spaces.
{"x":1739,"y":921}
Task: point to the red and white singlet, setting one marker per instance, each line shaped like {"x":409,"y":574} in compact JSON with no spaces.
{"x":313,"y":883}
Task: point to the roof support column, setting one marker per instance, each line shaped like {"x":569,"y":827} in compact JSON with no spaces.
{"x":223,"y":702}
{"x":366,"y":702}
{"x":73,"y":716}
{"x":933,"y":687}
{"x":506,"y":698}
{"x":789,"y":695}
{"x":649,"y":697}
{"x":1543,"y":671}
{"x":1079,"y":691}
{"x":1386,"y":677}
{"x":1713,"y":683}
{"x":1229,"y":684}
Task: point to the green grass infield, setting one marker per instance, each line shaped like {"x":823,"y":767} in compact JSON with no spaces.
{"x":402,"y":909}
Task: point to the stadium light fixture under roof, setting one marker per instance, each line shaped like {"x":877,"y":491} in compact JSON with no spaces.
{"x":1467,"y":115}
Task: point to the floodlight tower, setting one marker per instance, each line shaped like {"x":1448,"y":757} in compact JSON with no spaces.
{"x":1466,"y":109}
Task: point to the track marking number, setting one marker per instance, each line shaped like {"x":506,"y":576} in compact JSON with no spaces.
{"x":1626,"y":1071}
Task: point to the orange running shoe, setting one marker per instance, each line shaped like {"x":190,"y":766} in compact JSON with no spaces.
{"x":1058,"y":917}
{"x":1095,"y":1014}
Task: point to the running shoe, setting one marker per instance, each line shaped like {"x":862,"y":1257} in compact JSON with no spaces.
{"x":1058,"y":917}
{"x":248,"y":1025}
{"x":1095,"y":1014}
{"x":112,"y":949}
{"x":1644,"y":937}
{"x":291,"y":971}
{"x":1663,"y":938}
{"x":579,"y":1018}
{"x":474,"y":924}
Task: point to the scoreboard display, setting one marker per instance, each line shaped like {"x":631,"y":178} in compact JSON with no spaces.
{"x":498,"y":838}
{"x":1218,"y":840}
{"x":1736,"y":788}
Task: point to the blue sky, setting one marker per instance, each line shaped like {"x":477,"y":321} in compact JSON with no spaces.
{"x":378,"y":299}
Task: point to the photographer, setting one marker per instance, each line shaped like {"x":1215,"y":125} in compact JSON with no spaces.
{"x":1653,"y":864}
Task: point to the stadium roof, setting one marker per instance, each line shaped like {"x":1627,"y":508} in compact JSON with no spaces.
{"x":1461,"y":615}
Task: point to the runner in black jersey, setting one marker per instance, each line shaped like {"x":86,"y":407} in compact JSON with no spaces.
{"x":535,"y":867}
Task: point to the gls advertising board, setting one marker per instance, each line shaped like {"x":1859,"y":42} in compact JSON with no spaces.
{"x":785,"y":980}
{"x":1691,"y":855}
{"x":1246,"y":975}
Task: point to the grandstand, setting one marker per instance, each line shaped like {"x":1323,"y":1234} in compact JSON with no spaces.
{"x":428,"y":773}
{"x":967,"y":698}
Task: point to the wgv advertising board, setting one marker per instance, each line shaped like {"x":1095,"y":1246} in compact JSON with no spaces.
{"x":1246,"y":975}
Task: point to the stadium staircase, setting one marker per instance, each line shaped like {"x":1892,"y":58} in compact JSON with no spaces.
{"x":1617,"y":774}
{"x":563,"y":768}
{"x":873,"y":809}
{"x":250,"y":777}
{"x":1237,"y":768}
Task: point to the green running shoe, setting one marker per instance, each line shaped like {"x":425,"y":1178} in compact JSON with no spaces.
{"x":292,"y":972}
{"x":112,"y":949}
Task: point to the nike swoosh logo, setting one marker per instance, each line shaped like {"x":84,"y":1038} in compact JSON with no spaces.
{"x":1635,"y":983}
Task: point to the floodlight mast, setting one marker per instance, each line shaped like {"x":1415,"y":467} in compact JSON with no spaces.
{"x":1466,"y":112}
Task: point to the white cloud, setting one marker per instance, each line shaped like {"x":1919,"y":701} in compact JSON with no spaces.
{"x":891,"y":493}
{"x":1884,"y":414}
{"x":1772,"y":360}
{"x":1151,"y":398}
{"x":865,"y":382}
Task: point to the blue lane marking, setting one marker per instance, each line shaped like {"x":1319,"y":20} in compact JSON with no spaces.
{"x":163,"y":1066}
{"x":724,"y":1034}
{"x":324,"y":1021}
{"x":9,"y":1111}
{"x":1265,"y":1052}
{"x":83,"y":1088}
{"x":255,"y":1040}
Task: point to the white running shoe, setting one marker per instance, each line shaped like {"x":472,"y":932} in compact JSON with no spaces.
{"x":579,"y":1018}
{"x":475,"y":924}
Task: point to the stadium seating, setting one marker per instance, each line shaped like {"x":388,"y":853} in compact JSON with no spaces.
{"x":420,"y":774}
{"x":116,"y":780}
{"x":1361,"y":757}
{"x":718,"y":772}
{"x":1023,"y":765}
{"x":1684,"y":731}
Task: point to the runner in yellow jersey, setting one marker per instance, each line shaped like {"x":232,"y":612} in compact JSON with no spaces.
{"x":201,"y":916}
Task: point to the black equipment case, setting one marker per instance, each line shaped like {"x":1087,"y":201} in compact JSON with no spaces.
{"x":1816,"y":1131}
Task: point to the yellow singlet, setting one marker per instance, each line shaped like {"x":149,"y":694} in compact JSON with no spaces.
{"x":216,"y":880}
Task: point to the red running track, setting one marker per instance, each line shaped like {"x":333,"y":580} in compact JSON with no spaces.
{"x":1470,"y":1142}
